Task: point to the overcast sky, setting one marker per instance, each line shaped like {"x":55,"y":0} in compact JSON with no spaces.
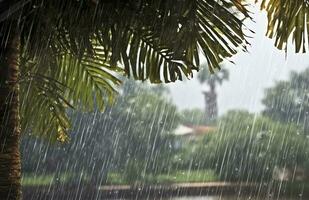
{"x":249,"y":76}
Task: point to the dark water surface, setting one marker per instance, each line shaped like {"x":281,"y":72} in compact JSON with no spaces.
{"x":224,"y":198}
{"x":231,"y":198}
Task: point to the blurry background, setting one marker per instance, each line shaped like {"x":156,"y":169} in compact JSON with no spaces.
{"x":157,"y":134}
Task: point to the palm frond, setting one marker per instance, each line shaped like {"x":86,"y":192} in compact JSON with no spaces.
{"x":51,"y":85}
{"x":220,"y":30}
{"x":43,"y":107}
{"x":286,"y":20}
{"x":166,"y":46}
{"x":92,"y":81}
{"x":156,"y":40}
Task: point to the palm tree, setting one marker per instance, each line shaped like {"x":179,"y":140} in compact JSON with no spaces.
{"x":211,"y":105}
{"x":57,"y":54}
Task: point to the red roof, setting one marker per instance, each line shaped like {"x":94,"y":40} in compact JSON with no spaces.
{"x":203,"y":129}
{"x":193,"y":130}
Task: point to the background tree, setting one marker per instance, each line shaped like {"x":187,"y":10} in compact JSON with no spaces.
{"x":144,"y":144}
{"x":288,"y":101}
{"x":247,"y":147}
{"x":63,"y":61}
{"x":212,"y":79}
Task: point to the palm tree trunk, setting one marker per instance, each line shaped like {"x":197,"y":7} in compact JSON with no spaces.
{"x":10,"y":164}
{"x":211,"y":104}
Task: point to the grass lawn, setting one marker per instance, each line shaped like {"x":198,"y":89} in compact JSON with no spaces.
{"x":178,"y":176}
{"x":188,"y":177}
{"x":33,"y":180}
{"x":298,"y":186}
{"x":44,"y":180}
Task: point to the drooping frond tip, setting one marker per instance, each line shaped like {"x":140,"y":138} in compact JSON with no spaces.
{"x":220,"y":29}
{"x":288,"y":19}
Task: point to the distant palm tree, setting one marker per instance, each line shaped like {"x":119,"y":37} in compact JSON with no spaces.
{"x":211,"y":79}
{"x":57,"y":54}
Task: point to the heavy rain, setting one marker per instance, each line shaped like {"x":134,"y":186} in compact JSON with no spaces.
{"x":154,"y":100}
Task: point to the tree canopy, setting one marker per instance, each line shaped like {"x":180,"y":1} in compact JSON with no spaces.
{"x":247,"y":147}
{"x":287,"y":101}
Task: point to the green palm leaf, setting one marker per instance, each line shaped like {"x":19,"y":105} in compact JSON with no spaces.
{"x":44,"y":107}
{"x":286,"y":20}
{"x":67,"y":81}
{"x":156,"y":40}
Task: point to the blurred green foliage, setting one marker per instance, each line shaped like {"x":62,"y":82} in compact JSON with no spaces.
{"x":132,"y":142}
{"x":193,"y":116}
{"x":131,"y":137}
{"x":248,"y":147}
{"x":288,"y":101}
